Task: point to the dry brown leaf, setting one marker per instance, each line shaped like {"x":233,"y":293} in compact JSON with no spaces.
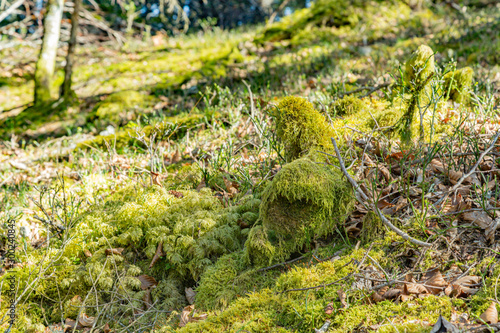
{"x":147,"y":281}
{"x":158,"y":254}
{"x":117,"y":251}
{"x":404,"y":298}
{"x":435,"y":282}
{"x":147,"y":299}
{"x":377,"y":297}
{"x":381,"y":204}
{"x":176,"y":194}
{"x":190,"y":295}
{"x":468,"y":281}
{"x":489,"y":232}
{"x":490,"y":316}
{"x":185,"y":315}
{"x":87,"y":253}
{"x":342,"y":297}
{"x":329,"y":309}
{"x":392,"y":293}
{"x":480,"y":218}
{"x":106,"y":328}
{"x":456,"y":290}
{"x":176,"y":157}
{"x":414,"y":289}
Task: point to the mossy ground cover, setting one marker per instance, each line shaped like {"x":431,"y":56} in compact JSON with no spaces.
{"x":206,"y":180}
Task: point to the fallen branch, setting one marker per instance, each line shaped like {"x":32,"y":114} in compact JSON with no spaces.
{"x":365,"y":201}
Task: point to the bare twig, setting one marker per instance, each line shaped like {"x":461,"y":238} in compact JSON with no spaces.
{"x":365,"y":199}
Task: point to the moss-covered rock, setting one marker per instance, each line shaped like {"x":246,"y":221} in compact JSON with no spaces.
{"x":457,"y":84}
{"x":304,"y":201}
{"x":300,"y":127}
{"x":347,"y":105}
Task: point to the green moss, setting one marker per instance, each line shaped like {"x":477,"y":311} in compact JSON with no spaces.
{"x":305,"y":200}
{"x":115,"y":107}
{"x":128,"y":135}
{"x":229,"y":279}
{"x":457,"y":84}
{"x":258,"y":249}
{"x":347,"y":105}
{"x":300,"y":127}
{"x":420,"y":66}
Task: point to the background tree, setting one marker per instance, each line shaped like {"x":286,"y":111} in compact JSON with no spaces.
{"x":66,"y":91}
{"x":46,"y":61}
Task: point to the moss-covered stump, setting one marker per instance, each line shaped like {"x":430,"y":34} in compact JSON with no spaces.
{"x":300,"y":127}
{"x":304,"y":201}
{"x":457,"y":84}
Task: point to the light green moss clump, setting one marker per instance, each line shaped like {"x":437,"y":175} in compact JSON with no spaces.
{"x":457,"y":84}
{"x":305,"y":200}
{"x":420,"y":66}
{"x":115,"y":107}
{"x":300,"y":127}
{"x":347,"y":105}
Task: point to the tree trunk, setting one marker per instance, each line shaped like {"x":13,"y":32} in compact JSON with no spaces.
{"x":47,"y":59}
{"x":66,"y":92}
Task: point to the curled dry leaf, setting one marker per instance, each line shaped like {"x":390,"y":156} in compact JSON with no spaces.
{"x":377,"y":297}
{"x":185,"y":315}
{"x":117,"y":251}
{"x":490,"y":316}
{"x":158,"y":254}
{"x":342,"y":297}
{"x":456,"y":290}
{"x":392,"y":293}
{"x":86,"y":321}
{"x":106,"y":328}
{"x":468,"y":281}
{"x":87,"y":253}
{"x":329,"y":309}
{"x":190,"y":295}
{"x":414,"y":289}
{"x":147,"y":281}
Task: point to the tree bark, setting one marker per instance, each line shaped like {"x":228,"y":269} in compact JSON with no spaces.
{"x":66,"y":91}
{"x":47,"y":60}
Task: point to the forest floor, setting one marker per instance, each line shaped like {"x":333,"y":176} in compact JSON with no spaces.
{"x":158,"y":199}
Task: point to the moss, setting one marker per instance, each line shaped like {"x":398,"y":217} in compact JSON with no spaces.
{"x":457,"y":84}
{"x":347,"y":105}
{"x":305,"y":200}
{"x":128,"y":135}
{"x":300,"y":127}
{"x":113,"y":109}
{"x":229,"y":279}
{"x":420,"y":66}
{"x":258,"y":249}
